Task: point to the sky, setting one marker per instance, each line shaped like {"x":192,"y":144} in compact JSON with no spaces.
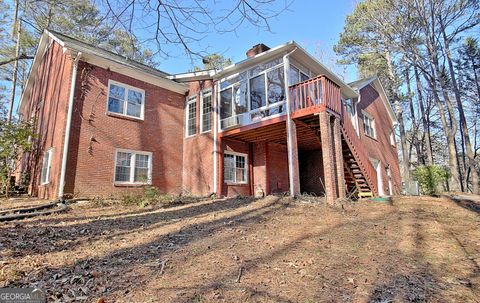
{"x":315,"y":25}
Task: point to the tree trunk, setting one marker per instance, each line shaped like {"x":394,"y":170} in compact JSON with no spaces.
{"x":17,"y":30}
{"x":415,"y":133}
{"x":425,"y":122}
{"x":461,"y":114}
{"x":399,"y":114}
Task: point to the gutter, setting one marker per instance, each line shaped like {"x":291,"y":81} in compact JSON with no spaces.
{"x":68,"y":126}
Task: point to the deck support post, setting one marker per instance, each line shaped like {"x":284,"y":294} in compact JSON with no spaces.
{"x":328,"y":157}
{"x":292,"y":148}
{"x":337,"y":140}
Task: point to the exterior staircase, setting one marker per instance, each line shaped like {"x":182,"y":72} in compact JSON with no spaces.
{"x":360,"y":175}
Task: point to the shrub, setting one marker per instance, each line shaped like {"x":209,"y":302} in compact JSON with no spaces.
{"x":430,"y":177}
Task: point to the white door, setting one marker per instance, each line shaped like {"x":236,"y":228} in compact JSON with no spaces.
{"x":378,"y":168}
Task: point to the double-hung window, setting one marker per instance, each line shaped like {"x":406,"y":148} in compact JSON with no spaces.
{"x":46,"y":165}
{"x":368,"y":125}
{"x":206,"y":107}
{"x":235,"y":168}
{"x":125,"y":100}
{"x":191,"y":115}
{"x":133,"y":167}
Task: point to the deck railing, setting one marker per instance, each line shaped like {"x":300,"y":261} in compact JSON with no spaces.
{"x":315,"y":94}
{"x":359,"y":151}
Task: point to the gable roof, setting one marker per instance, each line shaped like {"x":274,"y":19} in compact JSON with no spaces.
{"x":99,"y":57}
{"x":375,"y":82}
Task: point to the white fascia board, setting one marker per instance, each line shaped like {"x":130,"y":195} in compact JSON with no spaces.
{"x":43,"y":45}
{"x":135,"y":73}
{"x":193,"y":76}
{"x":383,"y":95}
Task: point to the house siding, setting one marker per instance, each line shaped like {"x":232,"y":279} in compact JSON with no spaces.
{"x":379,"y":148}
{"x":95,"y":135}
{"x":48,"y":105}
{"x":198,"y":149}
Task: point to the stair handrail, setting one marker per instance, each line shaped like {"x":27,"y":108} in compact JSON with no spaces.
{"x":357,"y":148}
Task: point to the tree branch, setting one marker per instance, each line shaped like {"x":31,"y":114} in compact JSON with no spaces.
{"x":21,"y":57}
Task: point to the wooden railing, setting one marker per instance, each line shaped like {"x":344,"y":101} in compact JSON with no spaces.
{"x":315,"y":95}
{"x":359,"y":151}
{"x":320,"y":93}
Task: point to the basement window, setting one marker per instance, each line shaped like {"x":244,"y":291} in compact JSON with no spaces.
{"x":46,"y":166}
{"x":235,"y":168}
{"x":206,"y":107}
{"x":368,"y":125}
{"x":133,"y":167}
{"x":125,"y":100}
{"x":191,"y":115}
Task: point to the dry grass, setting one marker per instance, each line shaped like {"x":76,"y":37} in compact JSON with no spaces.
{"x":418,"y":249}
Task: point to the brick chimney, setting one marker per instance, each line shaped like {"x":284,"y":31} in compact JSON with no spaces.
{"x":257,"y":49}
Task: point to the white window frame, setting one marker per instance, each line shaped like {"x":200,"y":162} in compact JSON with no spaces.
{"x":373,"y":126}
{"x":235,"y":154}
{"x":191,"y":99}
{"x":49,"y":166}
{"x":127,"y":88}
{"x":202,"y":96}
{"x":132,"y":167}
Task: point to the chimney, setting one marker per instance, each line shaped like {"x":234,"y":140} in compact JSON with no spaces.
{"x":257,"y":49}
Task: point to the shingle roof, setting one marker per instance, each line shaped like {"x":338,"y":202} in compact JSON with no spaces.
{"x":88,"y":48}
{"x":361,"y":82}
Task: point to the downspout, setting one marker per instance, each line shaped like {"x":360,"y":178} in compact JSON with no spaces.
{"x":68,"y":126}
{"x":286,"y":64}
{"x":215,"y":143}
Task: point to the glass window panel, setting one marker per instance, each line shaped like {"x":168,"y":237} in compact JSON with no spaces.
{"x":115,"y":105}
{"x":226,"y":103}
{"x":206,"y":112}
{"x":257,"y":92}
{"x":276,"y":85}
{"x":134,"y":104}
{"x":117,"y":92}
{"x":240,"y":96}
{"x":240,"y":175}
{"x":192,"y":119}
{"x":303,"y":77}
{"x":141,"y":175}
{"x":293,"y":74}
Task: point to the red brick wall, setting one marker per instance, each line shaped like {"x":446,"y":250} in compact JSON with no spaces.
{"x":95,"y":135}
{"x":48,"y":104}
{"x":259,"y":167}
{"x":278,"y":168}
{"x":198,"y":150}
{"x":379,"y":148}
{"x":311,"y":171}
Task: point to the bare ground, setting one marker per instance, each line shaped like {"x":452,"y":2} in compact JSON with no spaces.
{"x":418,"y":249}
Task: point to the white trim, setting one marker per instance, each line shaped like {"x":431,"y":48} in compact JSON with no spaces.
{"x":374,"y":126}
{"x":202,"y":95}
{"x":377,"y":164}
{"x":48,"y":152}
{"x":189,"y":100}
{"x":235,"y":154}
{"x":125,"y":107}
{"x":132,"y":167}
{"x":66,"y":142}
{"x":215,"y":135}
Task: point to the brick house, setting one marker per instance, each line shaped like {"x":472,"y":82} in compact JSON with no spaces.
{"x":278,"y":121}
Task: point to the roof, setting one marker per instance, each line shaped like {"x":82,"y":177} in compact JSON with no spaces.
{"x":291,"y":47}
{"x":100,"y":57}
{"x":88,"y":48}
{"x":375,"y":81}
